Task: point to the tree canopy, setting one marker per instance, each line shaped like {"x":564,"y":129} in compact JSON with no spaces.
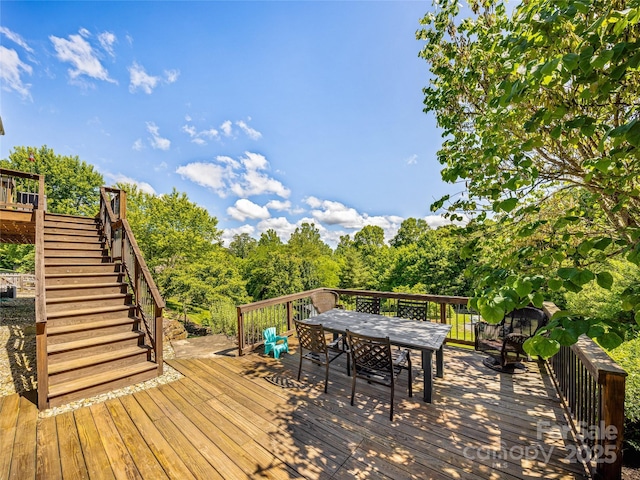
{"x":72,"y":186}
{"x":538,"y":107}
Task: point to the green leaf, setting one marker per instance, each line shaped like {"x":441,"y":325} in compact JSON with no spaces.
{"x":609,"y":340}
{"x":523,"y":288}
{"x":633,"y":135}
{"x":508,"y":204}
{"x":563,"y":336}
{"x":536,"y":299}
{"x":595,"y":331}
{"x":637,"y":317}
{"x":555,"y":284}
{"x":570,"y":61}
{"x":492,"y":313}
{"x":603,"y":243}
{"x":583,"y":277}
{"x":605,"y":280}
{"x":541,"y":346}
{"x":572,"y":287}
{"x":567,"y":273}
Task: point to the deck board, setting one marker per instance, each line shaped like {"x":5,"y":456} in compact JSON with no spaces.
{"x":226,"y":420}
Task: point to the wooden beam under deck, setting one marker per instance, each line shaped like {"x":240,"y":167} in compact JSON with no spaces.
{"x":224,"y":419}
{"x":17,"y":226}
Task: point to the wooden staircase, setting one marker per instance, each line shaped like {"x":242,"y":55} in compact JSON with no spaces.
{"x":94,"y":341}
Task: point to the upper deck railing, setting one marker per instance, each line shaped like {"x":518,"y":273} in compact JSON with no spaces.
{"x":589,"y":382}
{"x":21,"y":191}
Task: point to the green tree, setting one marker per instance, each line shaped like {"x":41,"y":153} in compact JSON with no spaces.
{"x":21,"y":258}
{"x":533,"y":104}
{"x":242,"y":245}
{"x":410,"y":231}
{"x":71,"y":185}
{"x":317,"y":266}
{"x":170,"y":229}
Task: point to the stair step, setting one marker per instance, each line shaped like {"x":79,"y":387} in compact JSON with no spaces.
{"x":100,"y":379}
{"x":92,"y":342}
{"x":59,"y":330}
{"x":52,"y":264}
{"x":85,"y":289}
{"x":95,"y":278}
{"x":49,"y":246}
{"x":96,"y":359}
{"x":80,"y":315}
{"x":70,"y":229}
{"x":91,"y":238}
{"x":78,"y":266}
{"x":61,"y":217}
{"x":86,"y":301}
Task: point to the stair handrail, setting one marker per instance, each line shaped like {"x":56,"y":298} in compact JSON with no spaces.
{"x":123,"y":247}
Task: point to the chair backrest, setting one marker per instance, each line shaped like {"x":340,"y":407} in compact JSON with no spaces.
{"x":368,"y":304}
{"x":412,"y":309}
{"x":269,"y":334}
{"x":311,"y":336}
{"x":370,"y":353}
{"x":324,"y":301}
{"x":527,"y":320}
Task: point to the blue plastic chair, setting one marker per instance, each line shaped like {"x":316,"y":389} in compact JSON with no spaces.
{"x":271,"y":342}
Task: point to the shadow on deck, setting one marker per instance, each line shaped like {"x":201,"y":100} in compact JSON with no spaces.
{"x":226,"y":420}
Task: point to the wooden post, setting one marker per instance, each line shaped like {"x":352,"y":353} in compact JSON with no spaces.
{"x":122,"y":214}
{"x":159,"y":338}
{"x":42,"y":365}
{"x":443,"y":313}
{"x":289,"y":316}
{"x":42,"y":199}
{"x":611,"y":425}
{"x":240,"y":330}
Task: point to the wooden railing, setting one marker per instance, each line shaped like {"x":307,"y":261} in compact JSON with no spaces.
{"x":21,"y":191}
{"x":589,"y":382}
{"x":279,"y":312}
{"x":123,"y":248}
{"x":592,"y":386}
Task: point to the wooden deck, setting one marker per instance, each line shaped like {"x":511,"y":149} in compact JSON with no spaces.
{"x":226,"y":420}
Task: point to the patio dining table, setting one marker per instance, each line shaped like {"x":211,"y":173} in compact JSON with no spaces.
{"x":428,"y":337}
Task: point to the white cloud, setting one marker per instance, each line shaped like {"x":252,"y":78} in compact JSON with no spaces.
{"x":435,"y":221}
{"x":412,"y":160}
{"x":279,"y":205}
{"x":281,"y":225}
{"x":187,"y":118}
{"x":190,"y":130}
{"x":226,"y":128}
{"x":229,"y":233}
{"x":251,"y":133}
{"x":139,"y":78}
{"x":78,"y":52}
{"x":336,"y":213}
{"x":138,"y":145}
{"x":84,"y":32}
{"x":228,"y":161}
{"x":157,"y":142}
{"x":254,"y":182}
{"x":171,"y":76}
{"x":206,"y":174}
{"x":107,"y":39}
{"x":244,"y":177}
{"x":161,"y":166}
{"x":15,"y":38}
{"x":120,"y":178}
{"x":244,"y":209}
{"x":11,"y":70}
{"x":198,"y":137}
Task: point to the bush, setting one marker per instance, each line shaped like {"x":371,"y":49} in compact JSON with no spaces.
{"x":224,"y":318}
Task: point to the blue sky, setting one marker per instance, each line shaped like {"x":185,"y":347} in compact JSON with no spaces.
{"x":268,"y":114}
